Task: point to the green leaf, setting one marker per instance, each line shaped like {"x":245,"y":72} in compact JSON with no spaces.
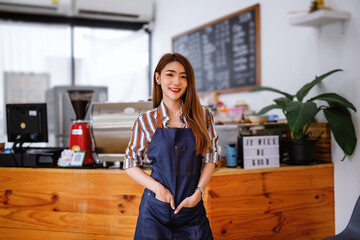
{"x":257,"y":89}
{"x":342,"y":128}
{"x":282,"y":102}
{"x":337,"y":105}
{"x":307,"y":87}
{"x":299,"y":115}
{"x":268,"y":108}
{"x":334,"y":98}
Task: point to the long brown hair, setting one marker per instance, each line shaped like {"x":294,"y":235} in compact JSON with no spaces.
{"x":192,"y":108}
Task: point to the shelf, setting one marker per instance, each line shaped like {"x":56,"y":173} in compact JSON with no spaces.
{"x":320,"y":17}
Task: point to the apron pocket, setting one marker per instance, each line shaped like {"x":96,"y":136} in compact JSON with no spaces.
{"x":157,"y":201}
{"x":191,"y":210}
{"x":187,"y":223}
{"x":155,"y":218}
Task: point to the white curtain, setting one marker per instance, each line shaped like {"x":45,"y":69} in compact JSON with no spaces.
{"x":33,"y":48}
{"x":113,"y":58}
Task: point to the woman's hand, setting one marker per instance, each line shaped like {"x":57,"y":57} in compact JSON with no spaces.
{"x":189,"y":201}
{"x":163,"y":194}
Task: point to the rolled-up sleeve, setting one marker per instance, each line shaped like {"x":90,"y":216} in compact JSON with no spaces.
{"x":134,"y":153}
{"x":212,"y":155}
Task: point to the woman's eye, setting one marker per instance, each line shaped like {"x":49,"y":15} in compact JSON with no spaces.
{"x":169,"y":74}
{"x":185,"y":77}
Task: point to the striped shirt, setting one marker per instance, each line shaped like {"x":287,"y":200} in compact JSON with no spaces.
{"x":145,"y":127}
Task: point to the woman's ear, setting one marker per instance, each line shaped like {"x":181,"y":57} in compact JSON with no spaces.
{"x":157,"y":78}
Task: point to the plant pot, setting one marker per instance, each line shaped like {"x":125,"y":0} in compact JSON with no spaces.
{"x":301,"y":152}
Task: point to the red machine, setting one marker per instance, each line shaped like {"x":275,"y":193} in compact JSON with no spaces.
{"x":80,"y":132}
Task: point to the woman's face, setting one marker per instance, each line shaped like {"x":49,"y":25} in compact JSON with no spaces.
{"x":173,"y":81}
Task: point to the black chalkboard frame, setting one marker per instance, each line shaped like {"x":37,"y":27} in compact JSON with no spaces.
{"x":246,"y":88}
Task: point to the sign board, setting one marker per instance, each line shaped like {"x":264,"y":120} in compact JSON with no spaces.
{"x":261,"y":151}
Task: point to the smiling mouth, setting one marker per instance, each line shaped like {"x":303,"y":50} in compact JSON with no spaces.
{"x":175,"y":90}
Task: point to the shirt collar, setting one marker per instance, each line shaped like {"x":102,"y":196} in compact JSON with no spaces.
{"x":165,"y":116}
{"x":164,"y":112}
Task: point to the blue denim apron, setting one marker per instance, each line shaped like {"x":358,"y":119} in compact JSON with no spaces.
{"x":177,"y":167}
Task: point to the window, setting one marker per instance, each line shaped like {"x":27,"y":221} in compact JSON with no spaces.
{"x":28,"y":49}
{"x":116,"y":58}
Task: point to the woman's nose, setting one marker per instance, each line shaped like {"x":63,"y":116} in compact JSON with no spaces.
{"x":176,"y":80}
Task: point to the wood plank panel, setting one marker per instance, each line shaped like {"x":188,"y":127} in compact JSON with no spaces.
{"x":82,"y":191}
{"x":15,"y":233}
{"x":274,"y":202}
{"x":272,"y":179}
{"x":125,"y":205}
{"x":282,"y":204}
{"x":72,"y":222}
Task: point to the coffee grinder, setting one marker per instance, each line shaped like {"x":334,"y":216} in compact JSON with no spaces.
{"x":80,"y":135}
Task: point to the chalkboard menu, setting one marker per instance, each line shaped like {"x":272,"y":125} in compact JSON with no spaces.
{"x":225,"y":53}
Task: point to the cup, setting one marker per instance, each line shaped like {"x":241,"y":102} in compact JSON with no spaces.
{"x":231,"y":155}
{"x":236,"y":114}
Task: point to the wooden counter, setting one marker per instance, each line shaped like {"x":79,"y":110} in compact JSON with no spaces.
{"x":278,"y":203}
{"x":294,"y":202}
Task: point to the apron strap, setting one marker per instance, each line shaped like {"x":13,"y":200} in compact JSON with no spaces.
{"x":158,"y":117}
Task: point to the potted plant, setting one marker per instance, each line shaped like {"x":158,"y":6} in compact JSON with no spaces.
{"x":300,"y":113}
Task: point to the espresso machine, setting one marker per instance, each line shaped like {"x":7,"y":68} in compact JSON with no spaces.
{"x":80,"y":131}
{"x":111,"y":125}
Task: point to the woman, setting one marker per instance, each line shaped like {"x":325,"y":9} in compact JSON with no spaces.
{"x":179,"y":136}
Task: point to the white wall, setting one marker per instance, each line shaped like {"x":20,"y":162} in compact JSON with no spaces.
{"x":290,"y":57}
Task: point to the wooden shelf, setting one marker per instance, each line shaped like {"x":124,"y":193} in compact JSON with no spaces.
{"x":320,"y":17}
